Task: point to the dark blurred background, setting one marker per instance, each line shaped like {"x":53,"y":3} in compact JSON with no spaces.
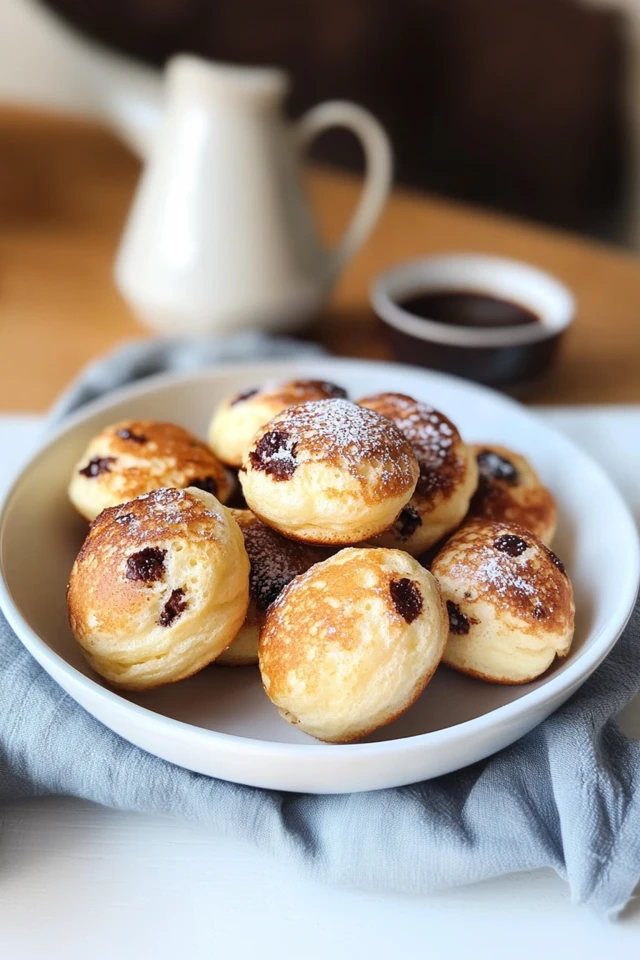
{"x":513,"y":104}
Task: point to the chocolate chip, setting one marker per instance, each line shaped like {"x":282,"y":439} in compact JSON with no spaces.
{"x":458,"y":623}
{"x":147,"y":564}
{"x":126,"y":434}
{"x":408,"y":522}
{"x":208,"y":484}
{"x":250,"y":392}
{"x":539,"y":612}
{"x":407,"y":598}
{"x":275,"y":453}
{"x":173,"y":608}
{"x":510,"y":544}
{"x":494,"y":467}
{"x":323,"y":386}
{"x":124,"y":518}
{"x":96,"y":466}
{"x":427,"y":479}
{"x":558,"y":562}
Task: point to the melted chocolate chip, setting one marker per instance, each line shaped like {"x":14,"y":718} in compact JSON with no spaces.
{"x":329,"y":389}
{"x":510,"y":544}
{"x":408,"y":522}
{"x":275,"y":453}
{"x":208,"y":484}
{"x":245,"y":395}
{"x":126,"y":434}
{"x":407,"y":599}
{"x":494,"y":467}
{"x":147,"y":564}
{"x":558,"y":562}
{"x":96,"y":466}
{"x":458,"y":623}
{"x":539,"y":612}
{"x":426,"y":479}
{"x":124,"y":518}
{"x":173,"y":608}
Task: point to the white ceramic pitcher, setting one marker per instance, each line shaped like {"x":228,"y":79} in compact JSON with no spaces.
{"x":220,"y":235}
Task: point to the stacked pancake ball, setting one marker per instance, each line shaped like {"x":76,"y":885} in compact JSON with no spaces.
{"x":368,"y":545}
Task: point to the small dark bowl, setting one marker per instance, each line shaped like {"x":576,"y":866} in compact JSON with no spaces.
{"x":498,"y":356}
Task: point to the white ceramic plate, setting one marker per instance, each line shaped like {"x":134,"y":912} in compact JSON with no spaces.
{"x":220,"y":722}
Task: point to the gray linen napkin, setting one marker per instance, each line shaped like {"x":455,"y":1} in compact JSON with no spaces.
{"x":567,"y":796}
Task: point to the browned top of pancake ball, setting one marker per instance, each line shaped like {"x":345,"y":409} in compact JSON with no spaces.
{"x":274,"y":559}
{"x":510,"y":490}
{"x":342,"y":434}
{"x":290,"y":393}
{"x":325,"y":605}
{"x":124,"y":557}
{"x":141,"y":455}
{"x":434,"y":438}
{"x":507,"y":566}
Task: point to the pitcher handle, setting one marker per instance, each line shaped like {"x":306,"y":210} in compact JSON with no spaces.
{"x":378,"y":168}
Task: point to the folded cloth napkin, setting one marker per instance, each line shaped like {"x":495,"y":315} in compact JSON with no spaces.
{"x":566,"y":796}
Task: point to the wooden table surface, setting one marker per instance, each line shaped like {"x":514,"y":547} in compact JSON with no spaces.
{"x":65,"y":186}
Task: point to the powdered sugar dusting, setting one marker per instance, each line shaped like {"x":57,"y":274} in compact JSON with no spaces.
{"x":274,"y":561}
{"x":526,"y":585}
{"x":338,"y":431}
{"x":499,"y":573}
{"x":432,"y":436}
{"x":162,"y":514}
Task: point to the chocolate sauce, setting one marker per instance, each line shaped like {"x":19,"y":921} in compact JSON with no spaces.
{"x":468,"y":308}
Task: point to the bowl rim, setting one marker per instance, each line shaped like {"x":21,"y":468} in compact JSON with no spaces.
{"x":562,"y":683}
{"x":403,"y":279}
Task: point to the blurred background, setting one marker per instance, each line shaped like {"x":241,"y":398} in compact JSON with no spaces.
{"x":526,"y":106}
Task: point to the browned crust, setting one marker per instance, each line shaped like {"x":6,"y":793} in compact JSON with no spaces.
{"x":530,"y":587}
{"x":499,"y":681}
{"x":436,"y":442}
{"x":98,"y":580}
{"x":350,"y":438}
{"x":282,"y":395}
{"x":527,"y":502}
{"x":168,"y":455}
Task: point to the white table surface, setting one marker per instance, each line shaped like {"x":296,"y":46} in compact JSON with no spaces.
{"x":78,"y":881}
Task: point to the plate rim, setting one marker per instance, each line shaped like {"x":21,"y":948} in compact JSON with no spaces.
{"x":586,"y":662}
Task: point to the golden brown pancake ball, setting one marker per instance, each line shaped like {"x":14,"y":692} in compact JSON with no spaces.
{"x":448,"y":473}
{"x":510,"y":491}
{"x":509,"y":600}
{"x":350,"y":645}
{"x":134,"y":457}
{"x":159,"y":589}
{"x":329,"y":472}
{"x":238,"y":418}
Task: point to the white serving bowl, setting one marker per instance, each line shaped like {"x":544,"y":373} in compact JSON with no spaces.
{"x":220,"y":722}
